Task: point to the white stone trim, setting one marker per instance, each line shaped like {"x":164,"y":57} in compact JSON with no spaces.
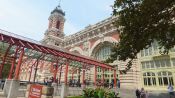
{"x":106,"y":39}
{"x":77,"y":49}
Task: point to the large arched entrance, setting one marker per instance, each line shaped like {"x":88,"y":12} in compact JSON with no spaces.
{"x":102,"y":51}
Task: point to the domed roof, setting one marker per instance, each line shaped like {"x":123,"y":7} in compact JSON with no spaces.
{"x":58,"y":10}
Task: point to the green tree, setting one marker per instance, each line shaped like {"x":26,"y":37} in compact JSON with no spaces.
{"x":140,"y":23}
{"x":7,"y":65}
{"x":6,"y":70}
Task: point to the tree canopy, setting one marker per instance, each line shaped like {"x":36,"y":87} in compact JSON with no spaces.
{"x":140,"y":23}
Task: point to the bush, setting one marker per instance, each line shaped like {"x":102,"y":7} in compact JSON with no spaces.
{"x":98,"y":93}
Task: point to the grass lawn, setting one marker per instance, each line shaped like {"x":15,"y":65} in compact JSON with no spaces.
{"x":75,"y":97}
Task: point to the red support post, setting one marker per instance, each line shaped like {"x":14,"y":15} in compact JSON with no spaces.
{"x":30,"y":73}
{"x":4,"y":59}
{"x":19,"y":64}
{"x":103,"y":76}
{"x":60,"y":73}
{"x":72,"y":76}
{"x":13,"y":63}
{"x":36,"y":69}
{"x":31,"y":69}
{"x":95,"y":75}
{"x":73,"y":73}
{"x":83,"y":80}
{"x":55,"y":73}
{"x":115,"y":82}
{"x":66,"y":73}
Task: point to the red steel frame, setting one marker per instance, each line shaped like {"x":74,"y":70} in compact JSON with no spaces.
{"x":73,"y":73}
{"x":115,"y":82}
{"x":66,"y":72}
{"x":24,"y":43}
{"x":19,"y":64}
{"x":95,"y":76}
{"x":13,"y":63}
{"x":103,"y":76}
{"x":55,"y":74}
{"x":6,"y":37}
{"x":4,"y":59}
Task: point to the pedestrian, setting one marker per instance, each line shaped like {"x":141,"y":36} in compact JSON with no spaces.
{"x":1,"y":83}
{"x":142,"y":93}
{"x":171,"y":91}
{"x":137,"y":93}
{"x":118,"y":83}
{"x":146,"y":94}
{"x":44,"y":81}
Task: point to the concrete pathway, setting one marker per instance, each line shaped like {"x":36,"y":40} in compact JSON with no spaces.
{"x":128,"y":93}
{"x":124,"y":93}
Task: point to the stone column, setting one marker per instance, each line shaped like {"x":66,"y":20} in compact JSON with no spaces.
{"x":54,"y":85}
{"x":12,"y":89}
{"x":64,"y":90}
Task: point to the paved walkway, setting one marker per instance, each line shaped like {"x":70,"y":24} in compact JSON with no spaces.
{"x":128,"y":93}
{"x":124,"y":93}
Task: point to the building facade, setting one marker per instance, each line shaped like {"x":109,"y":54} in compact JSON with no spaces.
{"x":94,"y":41}
{"x":157,"y":71}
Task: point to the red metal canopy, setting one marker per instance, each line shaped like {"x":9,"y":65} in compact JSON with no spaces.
{"x":21,"y":41}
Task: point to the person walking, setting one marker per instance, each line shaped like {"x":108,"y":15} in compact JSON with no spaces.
{"x":146,"y":94}
{"x":142,"y":93}
{"x":118,"y":83}
{"x":137,"y":93}
{"x":171,"y":91}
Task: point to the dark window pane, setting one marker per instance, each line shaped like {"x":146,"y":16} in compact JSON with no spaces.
{"x":159,"y":74}
{"x":58,"y":25}
{"x":149,"y":81}
{"x":160,"y":81}
{"x":165,"y":80}
{"x":154,"y":81}
{"x":145,"y":81}
{"x":164,"y":73}
{"x":148,"y":74}
{"x":157,"y":64}
{"x":171,"y":81}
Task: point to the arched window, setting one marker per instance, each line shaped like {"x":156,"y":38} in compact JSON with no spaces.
{"x":165,"y":78}
{"x":149,"y":79}
{"x":103,"y":53}
{"x":58,"y":25}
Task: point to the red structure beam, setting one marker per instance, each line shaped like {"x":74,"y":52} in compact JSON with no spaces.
{"x":31,"y":44}
{"x":61,"y":67}
{"x":66,"y":72}
{"x":31,"y":70}
{"x":19,"y":64}
{"x":83,"y":78}
{"x":55,"y":72}
{"x":95,"y":76}
{"x":115,"y":81}
{"x":13,"y":63}
{"x":103,"y":75}
{"x":4,"y":59}
{"x":12,"y":41}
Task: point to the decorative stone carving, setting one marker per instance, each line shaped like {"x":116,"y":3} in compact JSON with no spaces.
{"x":86,"y":46}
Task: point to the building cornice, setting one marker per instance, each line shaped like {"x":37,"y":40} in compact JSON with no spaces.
{"x":91,"y":32}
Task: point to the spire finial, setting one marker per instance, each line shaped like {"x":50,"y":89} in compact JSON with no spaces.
{"x":59,"y":2}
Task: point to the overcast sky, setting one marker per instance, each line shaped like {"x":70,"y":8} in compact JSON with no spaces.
{"x":29,"y":18}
